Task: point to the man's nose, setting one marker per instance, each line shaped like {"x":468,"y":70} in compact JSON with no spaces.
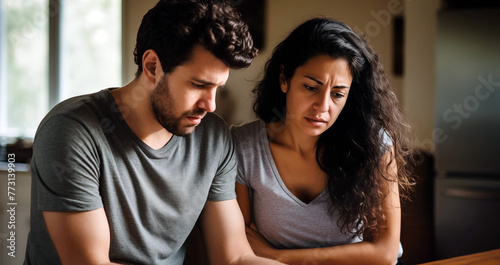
{"x":207,"y":100}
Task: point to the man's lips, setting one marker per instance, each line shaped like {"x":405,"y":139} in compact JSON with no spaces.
{"x":195,"y":119}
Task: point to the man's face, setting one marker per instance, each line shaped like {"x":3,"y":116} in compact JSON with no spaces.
{"x":185,"y":95}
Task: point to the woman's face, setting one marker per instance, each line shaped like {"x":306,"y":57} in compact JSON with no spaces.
{"x":316,"y":93}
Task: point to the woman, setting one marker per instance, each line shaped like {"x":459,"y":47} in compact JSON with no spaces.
{"x":321,"y":173}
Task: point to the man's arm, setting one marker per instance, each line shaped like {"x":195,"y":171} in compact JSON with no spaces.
{"x":80,"y":237}
{"x":223,"y":229}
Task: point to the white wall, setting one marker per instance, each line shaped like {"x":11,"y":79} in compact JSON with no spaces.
{"x":132,"y":13}
{"x":419,"y":79}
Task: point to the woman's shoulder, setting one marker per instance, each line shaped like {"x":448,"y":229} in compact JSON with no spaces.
{"x":249,"y":131}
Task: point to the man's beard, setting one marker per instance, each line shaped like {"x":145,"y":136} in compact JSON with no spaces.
{"x":164,"y":107}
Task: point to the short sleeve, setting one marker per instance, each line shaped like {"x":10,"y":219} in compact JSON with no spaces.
{"x":386,"y":141}
{"x":222,"y":187}
{"x":65,"y":166}
{"x":241,"y":178}
{"x":240,"y":175}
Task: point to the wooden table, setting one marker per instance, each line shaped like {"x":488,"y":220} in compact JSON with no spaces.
{"x":491,"y":257}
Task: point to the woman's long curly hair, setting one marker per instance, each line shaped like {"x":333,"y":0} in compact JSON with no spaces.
{"x":351,"y":151}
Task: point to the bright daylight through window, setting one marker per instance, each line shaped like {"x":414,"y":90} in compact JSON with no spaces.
{"x":51,"y":50}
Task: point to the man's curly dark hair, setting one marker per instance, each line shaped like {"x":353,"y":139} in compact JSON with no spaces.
{"x":173,"y":27}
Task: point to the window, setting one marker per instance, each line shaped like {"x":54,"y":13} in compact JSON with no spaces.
{"x":91,"y":56}
{"x":23,"y":68}
{"x":51,"y":50}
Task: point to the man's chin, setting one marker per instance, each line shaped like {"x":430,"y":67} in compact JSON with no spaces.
{"x":185,"y":131}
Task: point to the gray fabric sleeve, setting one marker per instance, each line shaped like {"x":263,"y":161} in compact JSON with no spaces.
{"x":241,"y":178}
{"x":223,"y":184}
{"x":240,"y":175}
{"x":386,"y":141}
{"x":66,"y":168}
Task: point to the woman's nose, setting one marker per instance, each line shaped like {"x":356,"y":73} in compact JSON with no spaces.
{"x":322,"y":102}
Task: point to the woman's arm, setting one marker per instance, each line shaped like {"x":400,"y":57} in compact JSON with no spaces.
{"x":243,"y":198}
{"x":383,"y":249}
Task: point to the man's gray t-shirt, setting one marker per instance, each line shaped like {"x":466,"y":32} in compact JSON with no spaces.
{"x":86,"y":157}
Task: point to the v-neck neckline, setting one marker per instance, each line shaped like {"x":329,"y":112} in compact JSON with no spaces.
{"x":267,"y":150}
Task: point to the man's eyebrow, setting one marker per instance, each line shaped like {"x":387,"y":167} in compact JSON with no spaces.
{"x":206,"y":83}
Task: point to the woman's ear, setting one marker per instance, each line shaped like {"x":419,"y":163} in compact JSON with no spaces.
{"x":283,"y":83}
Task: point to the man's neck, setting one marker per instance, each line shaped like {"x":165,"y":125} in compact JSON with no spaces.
{"x":134,"y":103}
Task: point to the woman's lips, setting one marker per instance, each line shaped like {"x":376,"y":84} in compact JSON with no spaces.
{"x":316,"y":121}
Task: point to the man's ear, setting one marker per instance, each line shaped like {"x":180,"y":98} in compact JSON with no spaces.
{"x":283,"y":83}
{"x":151,"y":66}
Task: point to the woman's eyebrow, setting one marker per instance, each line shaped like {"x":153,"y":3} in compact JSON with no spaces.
{"x":321,"y":83}
{"x":314,"y":79}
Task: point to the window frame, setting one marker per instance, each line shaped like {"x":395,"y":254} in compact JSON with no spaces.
{"x":54,"y":75}
{"x":54,"y":52}
{"x":54,"y":92}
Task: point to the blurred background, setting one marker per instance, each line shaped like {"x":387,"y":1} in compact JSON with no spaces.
{"x":441,"y":57}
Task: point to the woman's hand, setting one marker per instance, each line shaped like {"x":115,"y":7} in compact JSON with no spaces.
{"x":259,"y":244}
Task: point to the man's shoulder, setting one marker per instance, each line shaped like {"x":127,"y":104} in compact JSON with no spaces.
{"x":80,"y":109}
{"x":77,"y":102}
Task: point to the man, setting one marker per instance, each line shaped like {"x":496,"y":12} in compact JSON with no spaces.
{"x":122,"y":175}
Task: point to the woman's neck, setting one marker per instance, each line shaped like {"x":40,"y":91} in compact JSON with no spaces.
{"x":289,"y":136}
